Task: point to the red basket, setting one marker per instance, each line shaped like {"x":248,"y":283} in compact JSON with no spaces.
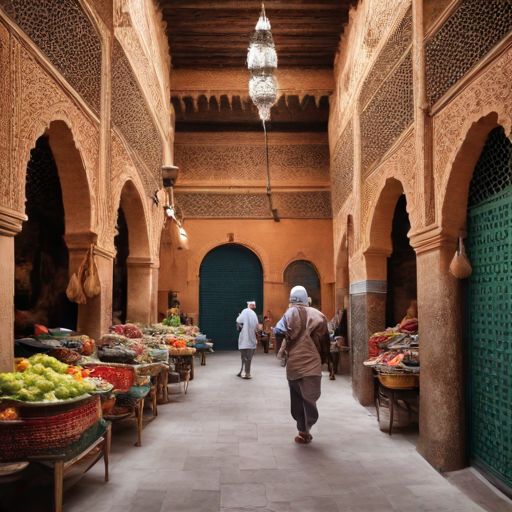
{"x":46,"y":430}
{"x":121,"y":377}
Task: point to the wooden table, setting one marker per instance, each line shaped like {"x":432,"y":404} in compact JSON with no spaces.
{"x":62,"y":464}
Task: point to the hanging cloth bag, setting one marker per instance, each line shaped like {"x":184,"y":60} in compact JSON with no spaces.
{"x":74,"y":291}
{"x":460,"y":266}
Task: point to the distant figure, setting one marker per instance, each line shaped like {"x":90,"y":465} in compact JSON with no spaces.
{"x":267,"y":321}
{"x":248,"y":322}
{"x":306,"y":346}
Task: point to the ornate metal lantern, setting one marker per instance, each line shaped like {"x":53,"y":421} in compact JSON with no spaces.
{"x":262,"y":63}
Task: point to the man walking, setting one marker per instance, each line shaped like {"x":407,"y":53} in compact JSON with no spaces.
{"x":307,"y":348}
{"x":247,"y":339}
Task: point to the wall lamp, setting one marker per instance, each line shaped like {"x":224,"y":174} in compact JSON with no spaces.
{"x":169,"y":176}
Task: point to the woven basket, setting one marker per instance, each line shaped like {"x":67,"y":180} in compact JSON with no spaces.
{"x":399,"y":381}
{"x":48,"y":429}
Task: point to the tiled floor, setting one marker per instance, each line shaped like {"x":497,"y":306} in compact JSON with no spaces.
{"x":228,"y":446}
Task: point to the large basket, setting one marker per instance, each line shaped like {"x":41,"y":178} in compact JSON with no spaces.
{"x":400,"y":381}
{"x":46,"y":429}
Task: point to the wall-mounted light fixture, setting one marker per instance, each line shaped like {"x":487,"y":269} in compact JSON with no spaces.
{"x":169,"y":176}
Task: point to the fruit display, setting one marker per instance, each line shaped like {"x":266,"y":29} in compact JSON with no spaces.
{"x":45,"y":379}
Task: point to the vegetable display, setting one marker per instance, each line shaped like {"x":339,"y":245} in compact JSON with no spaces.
{"x":47,"y":379}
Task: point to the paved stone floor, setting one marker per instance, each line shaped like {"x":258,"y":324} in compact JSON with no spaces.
{"x":228,"y":446}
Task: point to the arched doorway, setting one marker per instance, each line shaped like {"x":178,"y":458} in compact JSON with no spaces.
{"x":132,"y":272}
{"x":41,"y":254}
{"x":401,"y":267}
{"x":229,"y":277}
{"x":489,"y":311}
{"x":57,"y":205}
{"x":303,"y":273}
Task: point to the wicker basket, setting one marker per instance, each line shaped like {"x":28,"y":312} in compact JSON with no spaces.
{"x":46,"y":429}
{"x":399,"y":381}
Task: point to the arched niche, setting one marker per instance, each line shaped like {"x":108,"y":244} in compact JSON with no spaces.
{"x":304,"y":273}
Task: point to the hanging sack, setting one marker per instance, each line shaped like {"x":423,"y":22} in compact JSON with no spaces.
{"x":92,"y":285}
{"x":460,"y":266}
{"x":74,"y":290}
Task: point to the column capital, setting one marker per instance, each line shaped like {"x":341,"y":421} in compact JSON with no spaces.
{"x":430,"y":239}
{"x":11,"y":221}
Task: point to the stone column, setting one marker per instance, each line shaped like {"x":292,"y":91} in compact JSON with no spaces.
{"x":10,"y":225}
{"x":154,"y":295}
{"x":140,"y":289}
{"x":368,"y":315}
{"x":442,"y":421}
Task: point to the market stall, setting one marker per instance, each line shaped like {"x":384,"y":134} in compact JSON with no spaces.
{"x":395,"y":360}
{"x":51,"y":414}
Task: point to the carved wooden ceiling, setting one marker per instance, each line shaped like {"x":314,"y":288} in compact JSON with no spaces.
{"x":215,"y":33}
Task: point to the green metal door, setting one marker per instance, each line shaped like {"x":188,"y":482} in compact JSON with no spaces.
{"x":230,"y":276}
{"x":489,"y":247}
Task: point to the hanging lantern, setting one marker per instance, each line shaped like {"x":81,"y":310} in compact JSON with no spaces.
{"x":262,"y":62}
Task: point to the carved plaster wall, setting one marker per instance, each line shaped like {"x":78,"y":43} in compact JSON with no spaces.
{"x":490,"y":92}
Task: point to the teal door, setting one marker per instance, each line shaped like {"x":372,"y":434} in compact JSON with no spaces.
{"x":489,"y":247}
{"x":230,"y":276}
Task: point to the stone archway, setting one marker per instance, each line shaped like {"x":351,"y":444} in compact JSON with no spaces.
{"x":442,"y":415}
{"x":139,"y":281}
{"x":368,"y":297}
{"x":77,"y":235}
{"x":454,"y":206}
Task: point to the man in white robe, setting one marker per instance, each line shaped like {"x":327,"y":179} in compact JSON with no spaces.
{"x":247,"y":340}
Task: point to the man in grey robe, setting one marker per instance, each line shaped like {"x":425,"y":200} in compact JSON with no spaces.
{"x":306,"y":346}
{"x":247,"y":339}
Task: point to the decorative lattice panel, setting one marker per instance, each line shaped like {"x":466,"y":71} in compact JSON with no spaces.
{"x":343,"y":169}
{"x":388,"y":114}
{"x":490,"y":334}
{"x":297,"y":162}
{"x":66,"y":36}
{"x":474,"y":28}
{"x":130,"y":114}
{"x":43,"y":183}
{"x":492,"y":172}
{"x":399,"y":41}
{"x":308,"y":205}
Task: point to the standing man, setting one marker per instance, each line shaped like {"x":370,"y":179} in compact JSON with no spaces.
{"x":307,"y":347}
{"x":247,"y":339}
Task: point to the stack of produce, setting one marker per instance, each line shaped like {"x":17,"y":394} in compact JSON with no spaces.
{"x":42,"y":378}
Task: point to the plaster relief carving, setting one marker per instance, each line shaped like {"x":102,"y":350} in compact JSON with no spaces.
{"x":491,"y":92}
{"x":41,"y":101}
{"x":400,"y":166}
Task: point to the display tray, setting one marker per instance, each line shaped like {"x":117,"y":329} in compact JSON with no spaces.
{"x":44,"y":403}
